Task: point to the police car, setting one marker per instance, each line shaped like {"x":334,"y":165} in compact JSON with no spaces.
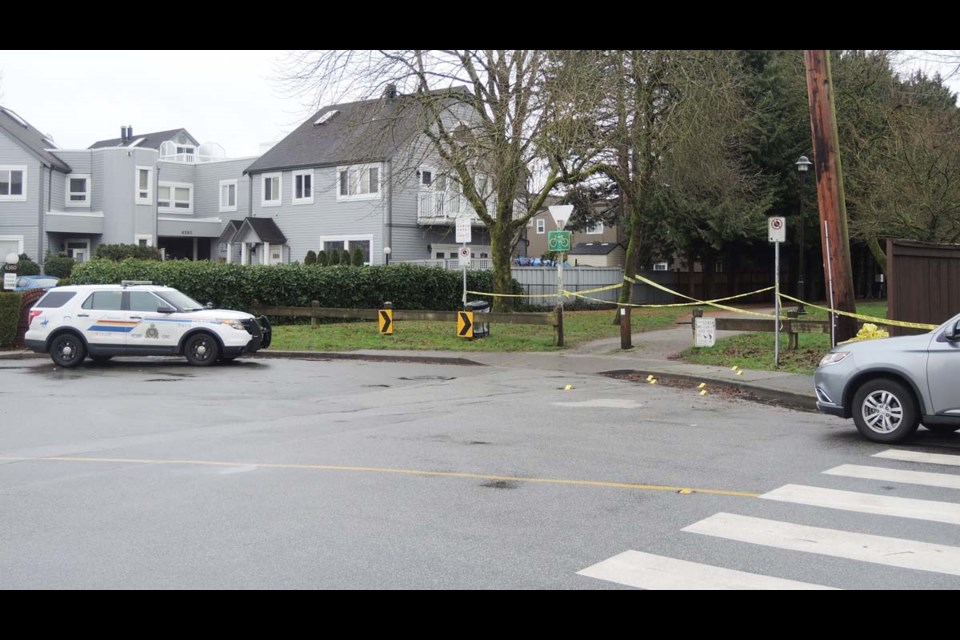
{"x":138,"y":319}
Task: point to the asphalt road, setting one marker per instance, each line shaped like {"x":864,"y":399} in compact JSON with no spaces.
{"x":344,"y":474}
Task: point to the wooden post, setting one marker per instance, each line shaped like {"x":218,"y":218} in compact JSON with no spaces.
{"x":559,"y":325}
{"x":316,"y":305}
{"x":626,"y":337}
{"x":793,"y":338}
{"x":833,"y":211}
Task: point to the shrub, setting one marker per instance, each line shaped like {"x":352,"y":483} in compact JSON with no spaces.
{"x":334,"y":257}
{"x":27,"y":267}
{"x":322,"y":258}
{"x":9,"y":317}
{"x":311,"y":258}
{"x":59,"y":266}
{"x":234,"y":286}
{"x":356,"y":257}
{"x":123,"y":251}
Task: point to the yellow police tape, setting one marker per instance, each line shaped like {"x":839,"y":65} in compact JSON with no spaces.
{"x":674,"y":304}
{"x":640,"y":279}
{"x":860,"y":316}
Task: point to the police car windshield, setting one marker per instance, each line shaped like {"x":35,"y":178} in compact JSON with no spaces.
{"x":180,"y":301}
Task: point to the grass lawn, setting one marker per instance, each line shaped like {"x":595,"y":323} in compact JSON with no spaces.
{"x":755,"y":350}
{"x":578,"y":327}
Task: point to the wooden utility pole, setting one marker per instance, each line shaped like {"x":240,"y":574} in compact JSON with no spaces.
{"x":833,"y":210}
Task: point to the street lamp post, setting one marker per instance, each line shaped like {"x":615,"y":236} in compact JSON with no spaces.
{"x":386,"y":256}
{"x":803,"y":165}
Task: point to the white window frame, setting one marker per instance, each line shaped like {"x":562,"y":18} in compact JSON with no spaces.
{"x":263,"y":190}
{"x":352,"y":172}
{"x":173,"y":191}
{"x":15,"y":198}
{"x":346,"y":243}
{"x":594,"y":229}
{"x":224,"y":206}
{"x":17,"y":239}
{"x":423,"y":169}
{"x":541,"y":226}
{"x":139,"y":199}
{"x":67,"y":193}
{"x":661,"y":266}
{"x":143,"y":236}
{"x":293,"y":187}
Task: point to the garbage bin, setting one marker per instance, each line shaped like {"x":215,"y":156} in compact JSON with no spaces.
{"x":481,"y":329}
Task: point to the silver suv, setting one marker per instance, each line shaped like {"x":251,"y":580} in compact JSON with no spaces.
{"x":890,"y":386}
{"x":102,"y":321}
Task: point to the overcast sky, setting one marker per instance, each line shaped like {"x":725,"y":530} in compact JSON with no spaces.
{"x":228,"y":97}
{"x":79,"y":97}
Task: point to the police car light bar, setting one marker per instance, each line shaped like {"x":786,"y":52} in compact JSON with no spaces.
{"x":129,"y":283}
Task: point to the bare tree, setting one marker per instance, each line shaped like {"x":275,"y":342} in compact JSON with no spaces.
{"x":501,"y":122}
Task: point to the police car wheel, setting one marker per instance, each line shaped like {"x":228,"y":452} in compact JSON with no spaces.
{"x":67,"y":350}
{"x":201,"y":350}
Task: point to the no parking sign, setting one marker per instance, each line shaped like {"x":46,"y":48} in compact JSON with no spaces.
{"x":777,"y":228}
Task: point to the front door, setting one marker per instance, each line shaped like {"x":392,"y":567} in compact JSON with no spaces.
{"x":943,"y":369}
{"x":155,"y":332}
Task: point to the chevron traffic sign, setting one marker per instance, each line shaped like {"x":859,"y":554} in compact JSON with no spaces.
{"x":465,"y":324}
{"x":385,"y":320}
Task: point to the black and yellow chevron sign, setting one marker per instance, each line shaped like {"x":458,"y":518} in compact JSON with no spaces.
{"x":465,"y":324}
{"x":385,"y":320}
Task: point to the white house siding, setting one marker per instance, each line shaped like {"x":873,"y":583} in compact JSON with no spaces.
{"x":22,"y":218}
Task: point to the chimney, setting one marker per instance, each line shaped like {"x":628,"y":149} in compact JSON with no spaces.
{"x":129,"y":132}
{"x":123,"y":134}
{"x":390,"y":92}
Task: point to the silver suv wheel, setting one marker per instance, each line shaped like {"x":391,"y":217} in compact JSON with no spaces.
{"x":884,"y":410}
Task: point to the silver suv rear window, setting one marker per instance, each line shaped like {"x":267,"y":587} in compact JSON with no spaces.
{"x":54,"y":299}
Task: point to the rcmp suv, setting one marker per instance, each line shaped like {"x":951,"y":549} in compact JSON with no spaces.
{"x":102,"y":321}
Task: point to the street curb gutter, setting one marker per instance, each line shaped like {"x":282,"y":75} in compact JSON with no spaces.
{"x":333,"y":355}
{"x":786,"y":399}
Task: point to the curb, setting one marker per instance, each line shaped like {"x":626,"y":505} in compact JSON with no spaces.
{"x":786,"y":399}
{"x":336,"y":355}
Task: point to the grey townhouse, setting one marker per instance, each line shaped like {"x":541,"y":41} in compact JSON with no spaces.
{"x":353,"y":175}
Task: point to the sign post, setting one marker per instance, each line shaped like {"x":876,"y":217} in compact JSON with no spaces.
{"x":777,"y":233}
{"x":10,"y":271}
{"x":464,"y":237}
{"x":560,"y":241}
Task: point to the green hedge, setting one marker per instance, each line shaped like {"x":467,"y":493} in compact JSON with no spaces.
{"x":124,"y":251}
{"x":233,"y":286}
{"x":9,"y":317}
{"x":59,"y":266}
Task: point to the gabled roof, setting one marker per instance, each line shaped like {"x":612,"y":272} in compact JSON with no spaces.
{"x":593,"y":248}
{"x":265,"y":229}
{"x":150,"y":140}
{"x":365,"y":131}
{"x":230,"y":231}
{"x":33,"y":140}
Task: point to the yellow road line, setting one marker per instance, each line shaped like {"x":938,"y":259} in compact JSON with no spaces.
{"x":411,"y":472}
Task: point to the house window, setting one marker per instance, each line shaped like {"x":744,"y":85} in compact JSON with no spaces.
{"x":595,"y":228}
{"x":303,"y":187}
{"x":144,"y":185}
{"x":78,"y":190}
{"x":13,"y":183}
{"x":228,"y":195}
{"x":348,"y":243}
{"x":270,"y":190}
{"x":175,"y":197}
{"x":143,"y":240}
{"x":661,"y":266}
{"x":359,"y":182}
{"x":10,"y":244}
{"x":541,"y":226}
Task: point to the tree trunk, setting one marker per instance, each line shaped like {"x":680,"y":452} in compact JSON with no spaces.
{"x":877,"y":252}
{"x":500,"y":241}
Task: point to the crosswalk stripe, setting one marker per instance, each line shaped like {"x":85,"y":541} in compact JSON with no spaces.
{"x":931,"y":510}
{"x":917,"y":456}
{"x":925,"y":478}
{"x":648,"y":571}
{"x":895,"y":552}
